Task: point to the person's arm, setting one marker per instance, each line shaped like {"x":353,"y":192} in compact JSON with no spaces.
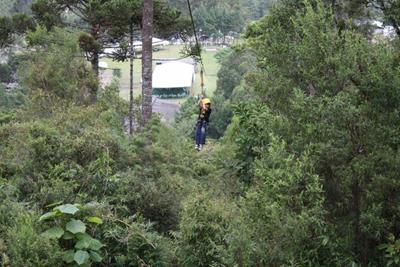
{"x":201,"y":114}
{"x":200,"y":103}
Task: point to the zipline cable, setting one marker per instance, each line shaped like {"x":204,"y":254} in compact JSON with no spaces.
{"x":198,"y":48}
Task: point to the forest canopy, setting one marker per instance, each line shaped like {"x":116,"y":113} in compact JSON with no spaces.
{"x":301,"y":167}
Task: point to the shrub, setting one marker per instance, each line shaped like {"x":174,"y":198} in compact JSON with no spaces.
{"x":133,"y":242}
{"x":5,"y":73}
{"x":204,"y":226}
{"x":70,"y":227}
{"x":20,"y":241}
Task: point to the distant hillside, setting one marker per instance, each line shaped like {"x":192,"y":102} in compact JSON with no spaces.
{"x":6,"y":6}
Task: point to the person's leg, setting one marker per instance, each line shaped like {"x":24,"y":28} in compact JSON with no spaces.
{"x":203,"y":133}
{"x":198,"y":134}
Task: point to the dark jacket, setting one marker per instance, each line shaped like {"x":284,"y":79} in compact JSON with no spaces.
{"x":204,"y":115}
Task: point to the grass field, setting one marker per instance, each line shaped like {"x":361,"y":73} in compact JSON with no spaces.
{"x":211,"y":67}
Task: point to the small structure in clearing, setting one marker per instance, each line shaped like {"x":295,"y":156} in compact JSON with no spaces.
{"x":173,"y":79}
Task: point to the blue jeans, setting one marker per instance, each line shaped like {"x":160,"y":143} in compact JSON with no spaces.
{"x":201,"y":129}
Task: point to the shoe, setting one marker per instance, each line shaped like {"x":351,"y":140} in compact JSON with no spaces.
{"x":200,"y":147}
{"x":196,"y":147}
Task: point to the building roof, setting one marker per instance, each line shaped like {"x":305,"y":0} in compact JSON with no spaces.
{"x":137,"y":45}
{"x":173,"y":74}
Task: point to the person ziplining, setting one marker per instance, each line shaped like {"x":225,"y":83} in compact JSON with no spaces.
{"x":202,"y":122}
{"x":204,"y":103}
{"x":204,"y":116}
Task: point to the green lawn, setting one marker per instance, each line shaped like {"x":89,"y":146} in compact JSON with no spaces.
{"x":211,"y":67}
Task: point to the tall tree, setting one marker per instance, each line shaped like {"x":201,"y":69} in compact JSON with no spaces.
{"x":219,"y":20}
{"x":103,"y":23}
{"x":147,"y":58}
{"x":256,"y":9}
{"x":330,"y":91}
{"x":94,"y":13}
{"x":54,"y":70}
{"x":12,"y":26}
{"x":131,"y":58}
{"x":166,"y":22}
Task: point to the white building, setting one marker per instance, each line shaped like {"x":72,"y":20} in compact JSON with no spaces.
{"x":173,"y":79}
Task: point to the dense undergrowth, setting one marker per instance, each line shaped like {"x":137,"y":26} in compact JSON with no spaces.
{"x":302,"y":169}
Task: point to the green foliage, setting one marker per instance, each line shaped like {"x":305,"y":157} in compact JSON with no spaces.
{"x":12,"y":26}
{"x":253,"y":122}
{"x":55,"y":71}
{"x":81,"y":154}
{"x":244,"y":11}
{"x":107,"y":22}
{"x":156,"y":198}
{"x":6,"y":31}
{"x":235,"y":63}
{"x":154,"y":190}
{"x":258,"y":8}
{"x":6,"y":117}
{"x":192,"y":50}
{"x":20,"y":241}
{"x":203,"y":228}
{"x":218,"y":19}
{"x":305,"y":172}
{"x":89,"y":44}
{"x":14,"y":63}
{"x":79,"y":247}
{"x":284,"y":209}
{"x":221,"y":116}
{"x":169,"y":22}
{"x":47,"y":13}
{"x":61,"y":156}
{"x":5,"y":73}
{"x":10,"y":99}
{"x":392,"y":251}
{"x":133,"y":242}
{"x":329,"y":101}
{"x":185,"y":118}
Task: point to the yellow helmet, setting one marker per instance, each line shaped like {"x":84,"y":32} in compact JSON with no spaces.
{"x":206,"y":101}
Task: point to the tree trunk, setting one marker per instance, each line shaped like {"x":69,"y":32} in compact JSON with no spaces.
{"x":94,"y":60}
{"x":131,"y":55}
{"x":147,"y":56}
{"x":95,"y":67}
